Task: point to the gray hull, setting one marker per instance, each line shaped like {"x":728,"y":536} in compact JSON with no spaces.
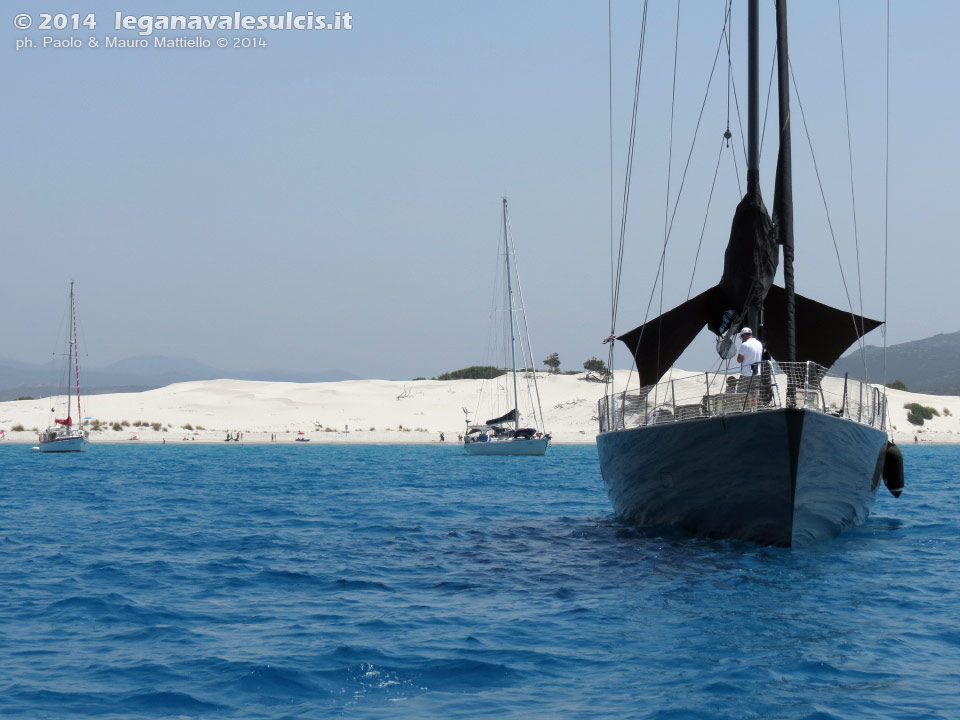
{"x":778,"y":477}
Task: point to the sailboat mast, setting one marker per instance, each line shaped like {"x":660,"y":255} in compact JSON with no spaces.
{"x":74,"y":356}
{"x":753,"y":101}
{"x":783,"y":205}
{"x":513,"y":350}
{"x":753,"y":312}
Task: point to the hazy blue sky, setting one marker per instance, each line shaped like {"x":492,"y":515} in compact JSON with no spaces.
{"x":332,"y":200}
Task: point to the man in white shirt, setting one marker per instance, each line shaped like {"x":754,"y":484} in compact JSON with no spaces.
{"x":751,"y":352}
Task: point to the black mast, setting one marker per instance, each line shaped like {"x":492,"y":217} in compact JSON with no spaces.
{"x":783,"y":195}
{"x":753,"y":102}
{"x":755,"y":307}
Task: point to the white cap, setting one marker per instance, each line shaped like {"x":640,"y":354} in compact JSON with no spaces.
{"x":746,"y":331}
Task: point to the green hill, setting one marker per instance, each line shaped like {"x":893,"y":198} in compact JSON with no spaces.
{"x":931,"y":365}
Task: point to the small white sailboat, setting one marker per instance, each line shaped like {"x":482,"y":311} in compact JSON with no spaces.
{"x":67,"y":434}
{"x":505,"y":434}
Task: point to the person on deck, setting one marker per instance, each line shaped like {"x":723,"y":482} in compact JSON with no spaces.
{"x":751,"y":352}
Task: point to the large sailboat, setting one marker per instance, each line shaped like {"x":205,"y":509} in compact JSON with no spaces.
{"x":780,"y":452}
{"x":512,"y":432}
{"x":68,"y":434}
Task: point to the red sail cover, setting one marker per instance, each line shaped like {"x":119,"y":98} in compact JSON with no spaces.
{"x":68,"y":422}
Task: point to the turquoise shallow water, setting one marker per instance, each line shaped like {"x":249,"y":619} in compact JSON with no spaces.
{"x":386,"y":581}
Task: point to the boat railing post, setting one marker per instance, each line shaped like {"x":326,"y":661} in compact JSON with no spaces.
{"x":673,"y":398}
{"x":843,"y":402}
{"x":860,"y":405}
{"x":774,"y":384}
{"x":706,"y":409}
{"x":806,"y":382}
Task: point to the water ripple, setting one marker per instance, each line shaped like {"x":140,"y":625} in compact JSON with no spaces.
{"x":374,"y":582}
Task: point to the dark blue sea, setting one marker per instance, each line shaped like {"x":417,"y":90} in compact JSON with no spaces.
{"x":418,"y":582}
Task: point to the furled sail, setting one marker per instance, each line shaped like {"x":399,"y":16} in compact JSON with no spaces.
{"x":749,"y":266}
{"x":746,"y":293}
{"x":749,"y":262}
{"x":509,"y":417}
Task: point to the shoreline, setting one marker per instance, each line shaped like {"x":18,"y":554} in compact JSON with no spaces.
{"x":372,"y":412}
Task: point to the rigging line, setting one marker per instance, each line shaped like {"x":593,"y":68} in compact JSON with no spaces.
{"x":610,"y":123}
{"x":696,"y":134}
{"x":726,"y":22}
{"x":495,"y":332}
{"x":853,"y":197}
{"x":663,"y":252}
{"x":733,"y":84}
{"x":526,"y":353}
{"x":706,"y":214}
{"x":629,"y":170}
{"x":736,"y":169}
{"x":662,"y":271}
{"x":673,"y":108}
{"x":766,"y":111}
{"x":686,"y":168}
{"x":629,"y":173}
{"x":826,"y":209}
{"x":886,"y":203}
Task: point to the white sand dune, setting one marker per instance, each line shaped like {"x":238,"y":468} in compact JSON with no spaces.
{"x":368,"y":411}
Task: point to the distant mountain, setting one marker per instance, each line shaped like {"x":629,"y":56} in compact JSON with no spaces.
{"x":19,"y":379}
{"x":929,"y":366}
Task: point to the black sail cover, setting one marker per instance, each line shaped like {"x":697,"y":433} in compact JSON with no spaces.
{"x":509,"y":417}
{"x":823,"y":332}
{"x":655,"y":345}
{"x":746,"y":287}
{"x":749,"y":263}
{"x":746,"y":293}
{"x":749,"y":266}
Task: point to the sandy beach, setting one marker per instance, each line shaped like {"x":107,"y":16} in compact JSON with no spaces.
{"x":367,"y":411}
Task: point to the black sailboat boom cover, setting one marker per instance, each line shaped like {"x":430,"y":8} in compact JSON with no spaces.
{"x":509,"y":417}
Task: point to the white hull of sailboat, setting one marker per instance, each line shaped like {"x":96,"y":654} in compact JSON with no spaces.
{"x":66,"y":443}
{"x":511,"y":446}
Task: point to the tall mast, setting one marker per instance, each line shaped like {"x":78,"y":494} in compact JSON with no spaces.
{"x":74,"y":355}
{"x":753,"y":102}
{"x":783,"y":198}
{"x":513,"y":351}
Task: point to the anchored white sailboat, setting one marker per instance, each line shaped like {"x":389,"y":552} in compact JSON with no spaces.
{"x":512,"y":432}
{"x":68,"y":434}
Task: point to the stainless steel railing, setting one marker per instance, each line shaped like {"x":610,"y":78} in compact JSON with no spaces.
{"x":776,"y":385}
